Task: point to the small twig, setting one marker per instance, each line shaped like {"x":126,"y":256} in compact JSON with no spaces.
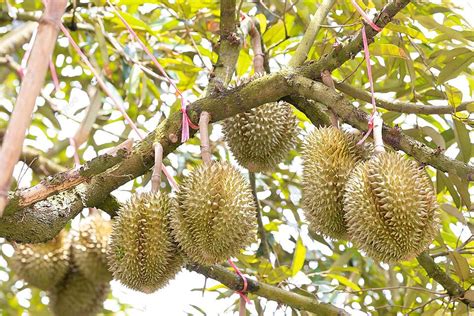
{"x":156,"y":176}
{"x":378,"y":140}
{"x":204,"y":132}
{"x":312,"y":31}
{"x":264,"y":247}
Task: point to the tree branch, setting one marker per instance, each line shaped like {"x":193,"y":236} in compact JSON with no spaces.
{"x":30,"y":88}
{"x":307,"y":42}
{"x":294,"y":300}
{"x":392,"y":136}
{"x":338,"y":55}
{"x":229,"y":48}
{"x":402,"y":107}
{"x":11,"y":42}
{"x":436,"y":273}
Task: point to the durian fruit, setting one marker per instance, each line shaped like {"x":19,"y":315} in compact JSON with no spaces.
{"x":77,"y":295}
{"x":216,"y":215}
{"x":42,"y":265}
{"x":390,"y":208}
{"x":262,"y":137}
{"x":89,"y":248}
{"x":329,"y":155}
{"x":143,"y":255}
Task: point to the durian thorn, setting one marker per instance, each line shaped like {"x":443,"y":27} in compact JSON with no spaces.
{"x":156,"y":176}
{"x":204,"y":119}
{"x":378,"y":139}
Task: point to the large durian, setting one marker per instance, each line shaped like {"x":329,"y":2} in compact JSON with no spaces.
{"x":143,"y":255}
{"x":89,"y":248}
{"x":262,"y":137}
{"x":77,"y":295}
{"x":42,"y":265}
{"x":329,"y":155}
{"x":216,"y":215}
{"x":390,"y":208}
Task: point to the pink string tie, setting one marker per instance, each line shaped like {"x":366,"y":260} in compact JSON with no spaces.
{"x":365,"y":16}
{"x":244,"y":279}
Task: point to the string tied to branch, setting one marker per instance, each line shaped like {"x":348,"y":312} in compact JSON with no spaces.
{"x":244,"y":279}
{"x":369,"y":67}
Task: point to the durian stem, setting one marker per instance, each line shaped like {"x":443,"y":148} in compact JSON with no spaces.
{"x":378,"y":140}
{"x":264,"y":247}
{"x":156,"y":176}
{"x":329,"y":81}
{"x":204,"y":132}
{"x":258,"y":56}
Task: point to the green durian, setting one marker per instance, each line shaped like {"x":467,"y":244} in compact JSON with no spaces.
{"x":42,"y":265}
{"x":90,"y":246}
{"x":390,"y":208}
{"x":216,"y":214}
{"x":143,"y":255}
{"x":262,"y":137}
{"x":329,"y":155}
{"x":77,"y":295}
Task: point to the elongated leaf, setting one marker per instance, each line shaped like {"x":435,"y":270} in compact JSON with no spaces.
{"x":343,"y":281}
{"x":298,"y":257}
{"x":455,"y":67}
{"x":387,"y":50}
{"x":460,"y":265}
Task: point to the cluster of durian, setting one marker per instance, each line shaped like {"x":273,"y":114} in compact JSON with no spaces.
{"x":71,"y":267}
{"x":383,"y":203}
{"x":210,"y":220}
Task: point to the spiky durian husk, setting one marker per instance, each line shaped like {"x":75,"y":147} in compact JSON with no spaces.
{"x":143,"y":255}
{"x":390,"y":208}
{"x":42,"y":265}
{"x":329,"y":155}
{"x":262,"y":137}
{"x":78,"y":295}
{"x":90,"y":246}
{"x":216,"y":214}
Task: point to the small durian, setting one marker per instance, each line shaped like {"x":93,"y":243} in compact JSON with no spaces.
{"x":77,"y":295}
{"x":262,"y":137}
{"x":42,"y":265}
{"x":329,"y":155}
{"x":216,"y":214}
{"x":143,"y":255}
{"x":390,"y":208}
{"x":89,"y":248}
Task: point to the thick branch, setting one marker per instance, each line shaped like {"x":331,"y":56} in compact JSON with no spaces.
{"x":434,"y":271}
{"x":294,"y":300}
{"x":402,"y":107}
{"x":229,"y":47}
{"x":304,"y":46}
{"x":11,"y":42}
{"x":392,"y":136}
{"x":30,"y":88}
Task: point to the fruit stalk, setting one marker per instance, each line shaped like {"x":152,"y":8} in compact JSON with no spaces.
{"x":204,"y":132}
{"x":156,"y":176}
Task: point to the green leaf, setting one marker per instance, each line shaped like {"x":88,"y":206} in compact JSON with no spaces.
{"x":406,"y":30}
{"x":454,"y":95}
{"x":298,"y":257}
{"x":343,"y":281}
{"x":460,"y":265}
{"x":279,"y":274}
{"x":455,"y":67}
{"x":463,"y":139}
{"x":387,"y":50}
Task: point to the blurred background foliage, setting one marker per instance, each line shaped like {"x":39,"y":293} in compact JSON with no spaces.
{"x":425,"y":55}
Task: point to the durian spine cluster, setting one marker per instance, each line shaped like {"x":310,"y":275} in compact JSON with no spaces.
{"x":71,"y":267}
{"x":386,"y":205}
